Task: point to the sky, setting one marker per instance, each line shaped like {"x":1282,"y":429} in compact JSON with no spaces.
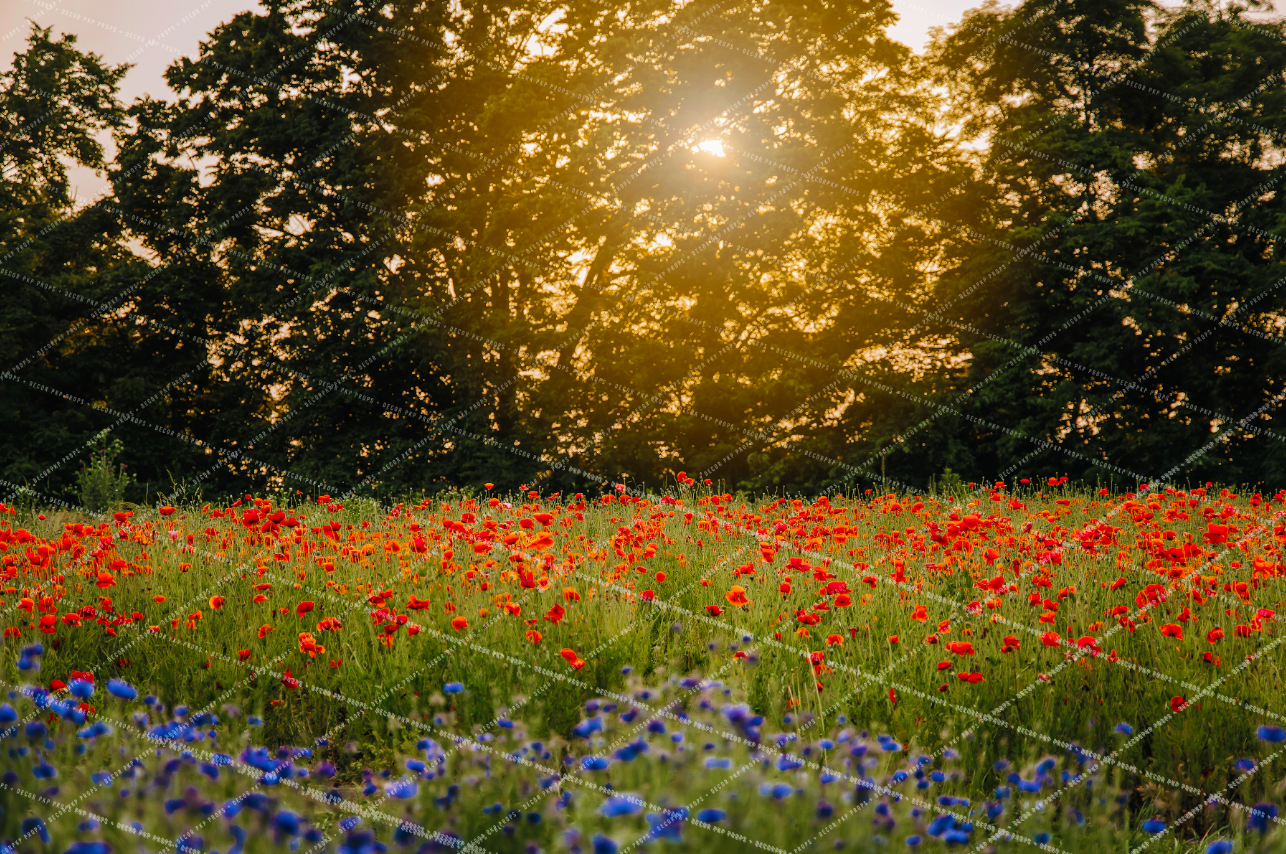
{"x":153,"y":33}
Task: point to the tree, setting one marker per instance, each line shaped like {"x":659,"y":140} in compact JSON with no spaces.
{"x":1120,"y":309}
{"x":64,"y":344}
{"x":284,"y":254}
{"x":475,"y":243}
{"x":770,"y":176}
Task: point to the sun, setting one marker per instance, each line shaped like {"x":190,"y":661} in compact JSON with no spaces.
{"x":712,"y":146}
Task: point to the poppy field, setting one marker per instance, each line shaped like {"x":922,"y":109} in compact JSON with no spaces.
{"x":1022,"y":666}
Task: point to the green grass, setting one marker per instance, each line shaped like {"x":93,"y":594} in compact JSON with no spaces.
{"x":381,"y":699}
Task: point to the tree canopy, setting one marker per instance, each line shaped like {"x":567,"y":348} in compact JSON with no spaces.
{"x":385,"y":247}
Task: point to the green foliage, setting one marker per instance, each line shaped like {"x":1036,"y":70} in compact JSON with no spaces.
{"x":538,"y":269}
{"x":101,"y":483}
{"x":1121,"y":296}
{"x":77,"y":353}
{"x":948,"y":483}
{"x":375,"y":707}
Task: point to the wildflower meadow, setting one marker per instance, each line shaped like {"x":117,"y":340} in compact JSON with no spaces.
{"x":584,"y":427}
{"x":1016,"y":667}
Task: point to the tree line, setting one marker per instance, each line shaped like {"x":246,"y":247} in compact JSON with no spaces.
{"x":386,"y":247}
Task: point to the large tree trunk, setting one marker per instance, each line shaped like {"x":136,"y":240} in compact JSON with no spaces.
{"x":618,"y":227}
{"x":507,"y":362}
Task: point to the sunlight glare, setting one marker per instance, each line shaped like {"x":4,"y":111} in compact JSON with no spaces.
{"x":712,"y":146}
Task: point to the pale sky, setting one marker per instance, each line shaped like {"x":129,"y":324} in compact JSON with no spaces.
{"x":153,"y":33}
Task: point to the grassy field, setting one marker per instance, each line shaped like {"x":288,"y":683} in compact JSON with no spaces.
{"x":1026,"y":667}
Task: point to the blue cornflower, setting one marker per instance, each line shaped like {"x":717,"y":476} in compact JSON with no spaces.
{"x":667,"y":825}
{"x":590,"y":725}
{"x":121,"y":688}
{"x":287,"y":822}
{"x":401,"y":789}
{"x":37,"y":826}
{"x":1260,"y":816}
{"x":619,"y":805}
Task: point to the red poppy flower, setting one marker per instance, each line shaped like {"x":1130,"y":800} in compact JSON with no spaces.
{"x":713,"y":610}
{"x":308,"y":644}
{"x":243,"y":654}
{"x":1178,"y":704}
{"x":304,"y":607}
{"x":459,"y":623}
